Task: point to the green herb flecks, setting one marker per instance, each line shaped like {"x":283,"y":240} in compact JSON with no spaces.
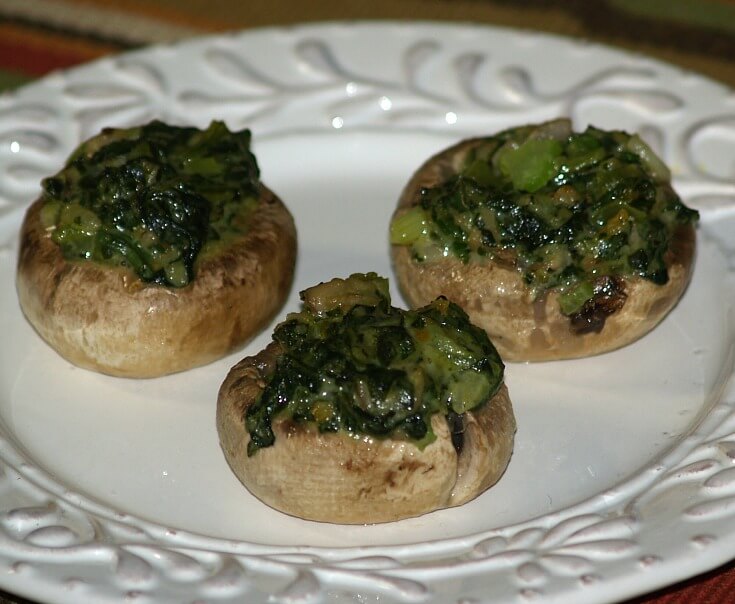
{"x":152,"y":198}
{"x":571,"y":208}
{"x":353,"y":362}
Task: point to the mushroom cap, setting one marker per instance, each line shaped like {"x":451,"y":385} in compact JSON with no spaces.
{"x":496,"y":298}
{"x":106,"y":319}
{"x":342,"y":478}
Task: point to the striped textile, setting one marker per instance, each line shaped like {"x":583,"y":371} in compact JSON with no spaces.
{"x":37,"y":36}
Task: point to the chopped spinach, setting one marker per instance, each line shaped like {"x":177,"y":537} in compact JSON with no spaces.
{"x":350,"y":361}
{"x":151,"y":198}
{"x":572,"y":207}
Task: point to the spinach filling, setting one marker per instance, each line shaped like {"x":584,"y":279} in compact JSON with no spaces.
{"x":570,"y":210}
{"x":152,"y":198}
{"x":350,"y":361}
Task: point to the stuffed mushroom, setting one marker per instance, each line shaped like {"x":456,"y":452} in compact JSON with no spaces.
{"x":154,"y":250}
{"x":360,"y":412}
{"x":560,"y":244}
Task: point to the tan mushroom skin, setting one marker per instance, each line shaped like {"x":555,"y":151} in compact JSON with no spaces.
{"x":342,"y":478}
{"x":496,"y":298}
{"x":106,"y":319}
{"x":361,"y":412}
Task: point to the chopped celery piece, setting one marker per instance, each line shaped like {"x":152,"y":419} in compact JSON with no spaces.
{"x":343,"y":294}
{"x":409,"y":227}
{"x":479,"y":171}
{"x":572,"y":300}
{"x":531,"y":165}
{"x":205,"y":166}
{"x":50,"y":214}
{"x":657,"y":168}
{"x":467,"y":386}
{"x":176,"y":274}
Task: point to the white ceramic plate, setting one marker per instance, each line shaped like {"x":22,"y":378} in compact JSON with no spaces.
{"x":623,"y":476}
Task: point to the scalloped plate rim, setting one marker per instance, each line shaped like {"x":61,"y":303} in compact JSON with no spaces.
{"x":652,"y":579}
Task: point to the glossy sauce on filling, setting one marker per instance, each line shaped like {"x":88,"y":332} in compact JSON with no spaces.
{"x":351,"y":362}
{"x":572,"y":211}
{"x":153,"y":199}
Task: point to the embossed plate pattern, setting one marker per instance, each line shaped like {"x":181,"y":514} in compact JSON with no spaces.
{"x":623,"y":477}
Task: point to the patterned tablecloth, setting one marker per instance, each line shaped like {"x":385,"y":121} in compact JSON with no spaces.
{"x":38,"y":36}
